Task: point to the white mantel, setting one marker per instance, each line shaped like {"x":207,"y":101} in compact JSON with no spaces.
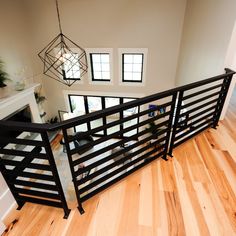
{"x":14,"y":101}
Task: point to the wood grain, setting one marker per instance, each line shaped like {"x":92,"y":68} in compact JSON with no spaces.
{"x":191,"y":194}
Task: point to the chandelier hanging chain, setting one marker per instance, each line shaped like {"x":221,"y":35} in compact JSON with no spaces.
{"x":58,"y":16}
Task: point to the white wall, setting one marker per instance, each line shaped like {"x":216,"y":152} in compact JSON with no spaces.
{"x":7,"y":201}
{"x":152,"y":24}
{"x":2,"y":227}
{"x":207,"y":31}
{"x":7,"y":107}
{"x":15,"y":51}
{"x":230,"y":62}
{"x":15,"y":42}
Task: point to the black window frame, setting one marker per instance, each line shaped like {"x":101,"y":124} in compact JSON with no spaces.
{"x":121,"y":99}
{"x":132,"y":81}
{"x":92,"y":70}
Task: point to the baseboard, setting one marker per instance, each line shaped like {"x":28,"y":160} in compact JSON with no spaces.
{"x":7,"y":203}
{"x":12,"y":207}
{"x":2,"y":227}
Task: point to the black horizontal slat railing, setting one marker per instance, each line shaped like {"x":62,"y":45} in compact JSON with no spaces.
{"x":108,"y":137}
{"x":105,"y":159}
{"x":6,"y":140}
{"x":176,"y":115}
{"x":36,"y":176}
{"x":202,"y":91}
{"x":119,"y":143}
{"x":196,"y":105}
{"x":24,"y":170}
{"x":37,"y":193}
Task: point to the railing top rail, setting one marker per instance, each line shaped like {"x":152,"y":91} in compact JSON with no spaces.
{"x":37,"y":127}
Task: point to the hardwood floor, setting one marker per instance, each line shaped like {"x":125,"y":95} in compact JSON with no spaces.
{"x":192,"y":194}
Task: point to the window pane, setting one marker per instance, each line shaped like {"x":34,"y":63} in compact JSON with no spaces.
{"x":96,"y":58}
{"x":129,"y":112}
{"x":137,"y":76}
{"x":128,"y":67}
{"x":132,"y":67}
{"x":100,"y":66}
{"x":69,"y":74}
{"x":94,"y":104}
{"x":73,"y":58}
{"x":129,"y":124}
{"x":96,"y":123}
{"x":128,"y":58}
{"x":71,"y":65}
{"x":77,"y":74}
{"x":105,"y":75}
{"x":105,"y":58}
{"x":97,"y":67}
{"x":128,"y":76}
{"x":97,"y":75}
{"x":77,"y":105}
{"x":78,"y":109}
{"x":110,"y":102}
{"x":128,"y":99}
{"x":137,"y":67}
{"x":105,"y":67}
{"x":138,"y":58}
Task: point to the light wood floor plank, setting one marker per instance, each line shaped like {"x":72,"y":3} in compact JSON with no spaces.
{"x":192,"y":194}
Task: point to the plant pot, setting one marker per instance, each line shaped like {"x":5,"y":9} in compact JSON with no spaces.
{"x":19,"y":86}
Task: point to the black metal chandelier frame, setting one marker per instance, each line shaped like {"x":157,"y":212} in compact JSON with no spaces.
{"x":64,"y":60}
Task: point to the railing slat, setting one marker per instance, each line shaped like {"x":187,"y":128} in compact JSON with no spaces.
{"x":198,"y":107}
{"x":108,"y":137}
{"x":99,"y":189}
{"x":41,"y":201}
{"x":112,"y":124}
{"x":194,"y":122}
{"x":168,"y":129}
{"x":192,"y":135}
{"x":112,"y":146}
{"x":192,"y":131}
{"x":13,"y":152}
{"x":35,"y":185}
{"x":202,"y":99}
{"x":196,"y":115}
{"x":7,"y":140}
{"x":201,"y":92}
{"x":37,"y":193}
{"x":30,"y":165}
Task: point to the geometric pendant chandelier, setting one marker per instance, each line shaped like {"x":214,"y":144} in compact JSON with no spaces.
{"x":63,"y":59}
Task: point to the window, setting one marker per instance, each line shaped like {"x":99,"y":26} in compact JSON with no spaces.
{"x":71,"y":69}
{"x":132,"y":67}
{"x":100,"y":66}
{"x":85,"y":104}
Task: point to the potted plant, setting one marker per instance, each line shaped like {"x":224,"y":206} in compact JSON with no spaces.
{"x":53,"y":120}
{"x":39,"y":98}
{"x":3,"y":75}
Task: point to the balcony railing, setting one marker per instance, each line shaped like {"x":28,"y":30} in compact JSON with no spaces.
{"x":165,"y":120}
